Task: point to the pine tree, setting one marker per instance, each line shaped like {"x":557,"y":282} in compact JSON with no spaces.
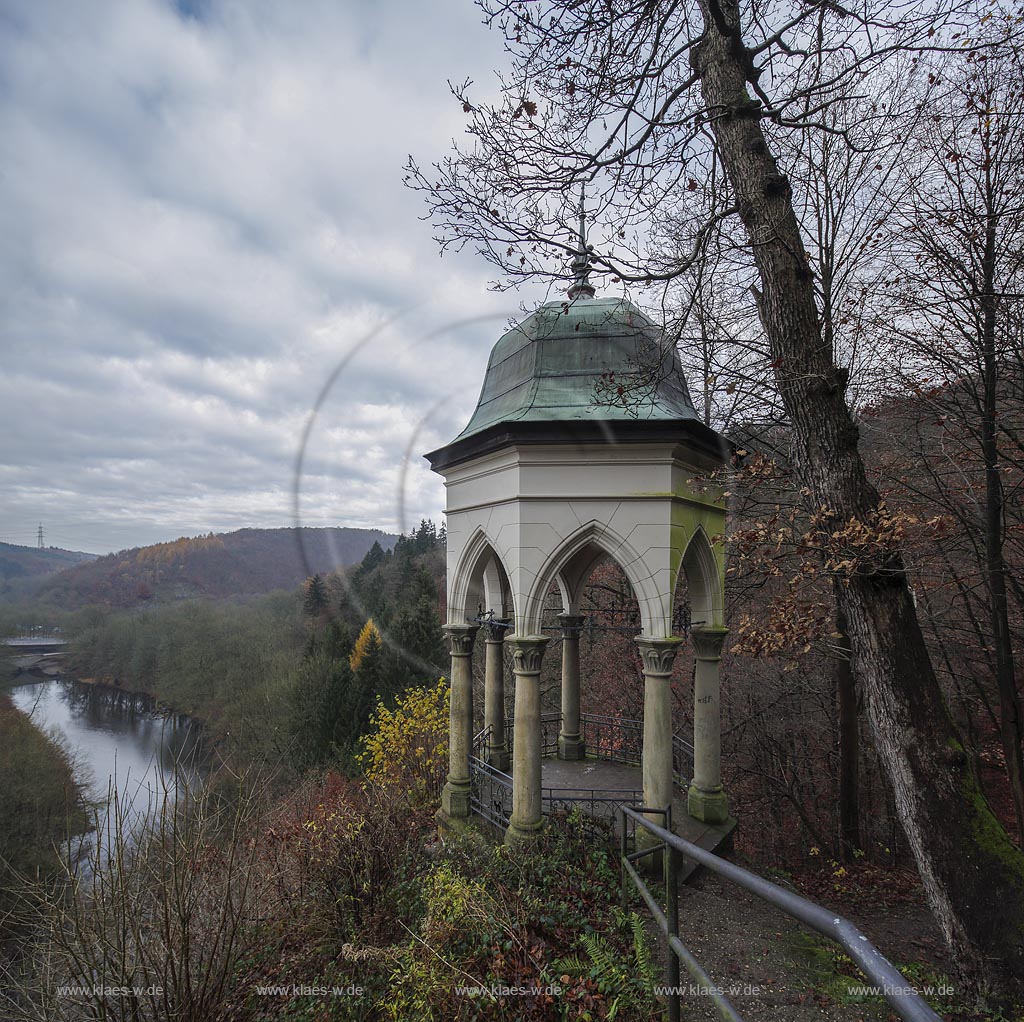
{"x":314,"y":597}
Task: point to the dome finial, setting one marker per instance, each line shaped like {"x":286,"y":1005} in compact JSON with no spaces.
{"x":581,"y":286}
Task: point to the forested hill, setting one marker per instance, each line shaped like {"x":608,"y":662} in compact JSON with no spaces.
{"x":242,"y":563}
{"x":20,"y":565}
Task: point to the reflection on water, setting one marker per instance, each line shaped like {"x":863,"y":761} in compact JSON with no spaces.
{"x":119,"y":742}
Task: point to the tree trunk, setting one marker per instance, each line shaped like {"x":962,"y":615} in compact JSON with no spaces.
{"x":972,"y":872}
{"x":849,"y":746}
{"x":995,"y":566}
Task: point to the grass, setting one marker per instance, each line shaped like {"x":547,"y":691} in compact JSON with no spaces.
{"x":833,"y":976}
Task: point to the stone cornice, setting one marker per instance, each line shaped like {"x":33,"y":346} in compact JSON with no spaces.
{"x":690,"y":433}
{"x":561,"y":498}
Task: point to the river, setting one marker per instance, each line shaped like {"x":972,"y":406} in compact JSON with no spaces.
{"x":120,"y":742}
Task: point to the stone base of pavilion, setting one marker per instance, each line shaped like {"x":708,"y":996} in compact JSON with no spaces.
{"x":607,"y":777}
{"x":584,"y":784}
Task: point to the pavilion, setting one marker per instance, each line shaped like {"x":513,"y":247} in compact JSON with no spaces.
{"x":547,"y":481}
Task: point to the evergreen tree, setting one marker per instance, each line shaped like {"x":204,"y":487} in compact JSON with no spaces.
{"x":320,"y":720}
{"x":416,"y":629}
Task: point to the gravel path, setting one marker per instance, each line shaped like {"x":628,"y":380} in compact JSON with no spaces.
{"x":770,"y":967}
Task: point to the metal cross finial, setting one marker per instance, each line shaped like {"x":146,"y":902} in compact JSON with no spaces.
{"x":581,"y":286}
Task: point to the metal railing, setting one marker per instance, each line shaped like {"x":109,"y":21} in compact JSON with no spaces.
{"x":875,"y":966}
{"x":491,"y":793}
{"x":550,"y":725}
{"x":598,"y":803}
{"x":617,"y":739}
{"x":682,"y":761}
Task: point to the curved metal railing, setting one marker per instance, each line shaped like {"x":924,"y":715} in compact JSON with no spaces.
{"x":897,"y":990}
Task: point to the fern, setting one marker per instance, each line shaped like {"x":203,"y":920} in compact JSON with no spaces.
{"x":645,"y":966}
{"x":572,"y":965}
{"x":610,"y":974}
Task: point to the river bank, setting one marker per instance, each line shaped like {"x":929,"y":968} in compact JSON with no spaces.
{"x":42,"y":803}
{"x":47,"y":670}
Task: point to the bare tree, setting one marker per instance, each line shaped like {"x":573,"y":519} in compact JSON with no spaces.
{"x":956,"y":284}
{"x":640,"y":99}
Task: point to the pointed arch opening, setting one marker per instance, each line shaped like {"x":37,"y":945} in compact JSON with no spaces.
{"x":481,"y":583}
{"x":571,"y":566}
{"x":703,"y":573}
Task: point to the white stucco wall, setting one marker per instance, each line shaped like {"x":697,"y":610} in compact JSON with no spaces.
{"x":548,"y":510}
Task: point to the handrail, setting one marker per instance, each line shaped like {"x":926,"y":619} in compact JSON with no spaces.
{"x":879,"y":970}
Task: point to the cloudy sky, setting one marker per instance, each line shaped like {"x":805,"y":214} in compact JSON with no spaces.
{"x":202,"y":218}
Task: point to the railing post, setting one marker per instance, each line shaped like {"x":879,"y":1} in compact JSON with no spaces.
{"x":672,"y":914}
{"x":623,"y":852}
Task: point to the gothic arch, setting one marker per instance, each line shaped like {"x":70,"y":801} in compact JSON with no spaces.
{"x":480,"y":580}
{"x":571,"y":565}
{"x":704,"y":579}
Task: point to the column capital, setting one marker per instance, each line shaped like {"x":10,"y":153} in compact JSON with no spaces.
{"x":527,"y":652}
{"x":496,"y":629}
{"x":460,"y":638}
{"x":658,"y":654}
{"x":571,"y":625}
{"x":708,"y":640}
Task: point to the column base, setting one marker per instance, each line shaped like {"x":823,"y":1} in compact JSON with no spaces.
{"x":455,"y":800}
{"x":499,"y":759}
{"x":571,"y":747}
{"x":450,"y":825}
{"x":516,"y":834}
{"x":707,"y":806}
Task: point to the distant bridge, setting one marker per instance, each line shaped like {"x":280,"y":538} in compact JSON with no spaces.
{"x":34,"y":644}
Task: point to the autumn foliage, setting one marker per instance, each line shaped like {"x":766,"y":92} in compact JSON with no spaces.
{"x":407,"y":747}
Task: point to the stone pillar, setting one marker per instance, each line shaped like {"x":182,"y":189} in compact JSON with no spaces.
{"x":707,"y":799}
{"x":494,"y":694}
{"x":526,"y":822}
{"x":455,"y":797}
{"x":658,"y":655}
{"x":570,"y":742}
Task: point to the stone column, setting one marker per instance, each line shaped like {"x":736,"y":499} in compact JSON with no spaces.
{"x":707,"y":800}
{"x":494,"y":694}
{"x":455,"y":797}
{"x":658,"y":655}
{"x":526,"y":822}
{"x":570,"y":743}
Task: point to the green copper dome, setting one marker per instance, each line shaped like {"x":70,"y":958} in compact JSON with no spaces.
{"x":555,"y":365}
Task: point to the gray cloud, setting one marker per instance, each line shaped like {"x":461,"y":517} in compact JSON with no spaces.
{"x":201,"y":216}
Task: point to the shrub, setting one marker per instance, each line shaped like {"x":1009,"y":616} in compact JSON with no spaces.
{"x":407,"y":750}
